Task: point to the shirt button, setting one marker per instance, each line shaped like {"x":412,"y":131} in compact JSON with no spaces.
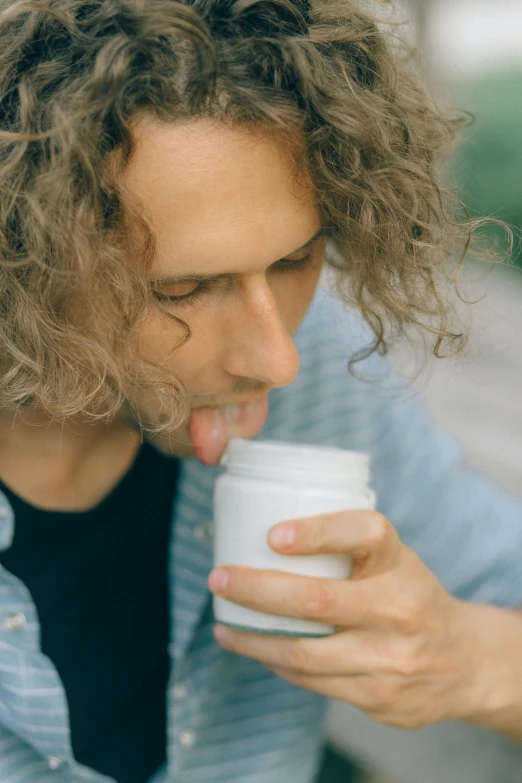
{"x":54,"y":762}
{"x":204,"y":533}
{"x":179,"y":692}
{"x":15,"y":621}
{"x":187,"y":738}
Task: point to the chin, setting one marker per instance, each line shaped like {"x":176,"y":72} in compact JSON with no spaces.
{"x":172,"y":445}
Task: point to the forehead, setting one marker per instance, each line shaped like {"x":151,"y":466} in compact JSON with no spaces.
{"x":210,"y":192}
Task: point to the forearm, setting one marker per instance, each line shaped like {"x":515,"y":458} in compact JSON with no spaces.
{"x":496,"y":655}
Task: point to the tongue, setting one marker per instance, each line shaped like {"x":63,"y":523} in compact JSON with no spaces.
{"x":212,"y":427}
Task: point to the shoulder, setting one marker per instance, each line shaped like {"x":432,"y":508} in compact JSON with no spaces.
{"x":367,"y":407}
{"x":327,"y":403}
{"x":332,"y":327}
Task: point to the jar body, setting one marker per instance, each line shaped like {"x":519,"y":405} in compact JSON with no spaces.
{"x":244,"y":511}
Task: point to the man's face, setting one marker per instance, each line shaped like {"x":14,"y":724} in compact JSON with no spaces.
{"x":224,"y":203}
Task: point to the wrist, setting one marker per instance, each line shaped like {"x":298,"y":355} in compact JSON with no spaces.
{"x":494,"y":652}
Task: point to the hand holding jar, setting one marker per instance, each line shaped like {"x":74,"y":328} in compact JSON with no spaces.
{"x":404,"y":650}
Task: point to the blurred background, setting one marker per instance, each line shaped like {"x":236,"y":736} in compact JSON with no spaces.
{"x":472,"y":57}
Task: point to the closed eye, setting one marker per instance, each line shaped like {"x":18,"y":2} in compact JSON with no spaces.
{"x":186,"y":292}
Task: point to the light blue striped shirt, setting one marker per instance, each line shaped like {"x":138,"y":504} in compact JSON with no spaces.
{"x":230,"y":719}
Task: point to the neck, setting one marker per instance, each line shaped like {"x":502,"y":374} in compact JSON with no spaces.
{"x":63,"y":465}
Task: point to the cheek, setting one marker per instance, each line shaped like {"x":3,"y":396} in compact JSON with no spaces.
{"x":159,"y":337}
{"x":162,"y":342}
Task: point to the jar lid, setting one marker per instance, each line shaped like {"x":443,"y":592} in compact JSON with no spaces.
{"x":278,"y":460}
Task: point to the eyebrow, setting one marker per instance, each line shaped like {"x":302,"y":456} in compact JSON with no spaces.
{"x":199,"y":277}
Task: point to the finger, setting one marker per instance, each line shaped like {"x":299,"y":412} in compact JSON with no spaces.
{"x":343,"y":654}
{"x":367,"y":536}
{"x":332,"y":687}
{"x":359,"y":691}
{"x":385,"y":701}
{"x":346,"y":689}
{"x":338,"y":602}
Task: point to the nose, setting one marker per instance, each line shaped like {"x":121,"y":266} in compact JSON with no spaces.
{"x":259,"y":345}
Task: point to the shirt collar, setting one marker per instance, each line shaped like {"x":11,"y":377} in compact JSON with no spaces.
{"x":6,"y":523}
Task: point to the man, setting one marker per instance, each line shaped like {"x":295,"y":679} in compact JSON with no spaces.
{"x":173,"y":177}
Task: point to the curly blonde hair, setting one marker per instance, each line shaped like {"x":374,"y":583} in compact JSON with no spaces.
{"x":75,"y":74}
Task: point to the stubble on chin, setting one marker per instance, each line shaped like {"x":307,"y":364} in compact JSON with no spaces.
{"x":172,"y":444}
{"x":176,"y":443}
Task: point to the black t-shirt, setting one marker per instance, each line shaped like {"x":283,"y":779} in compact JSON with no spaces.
{"x":99,"y":580}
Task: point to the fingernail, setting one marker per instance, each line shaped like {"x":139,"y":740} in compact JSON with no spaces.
{"x":282,"y":536}
{"x":218,"y":580}
{"x":220,"y":633}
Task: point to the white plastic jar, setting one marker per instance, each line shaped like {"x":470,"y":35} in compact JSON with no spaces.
{"x":267,"y":482}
